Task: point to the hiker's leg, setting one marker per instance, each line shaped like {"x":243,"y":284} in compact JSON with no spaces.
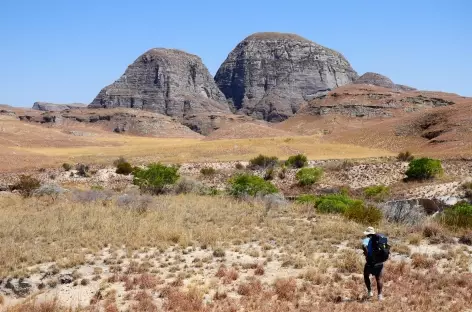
{"x":378,"y":279}
{"x":367,"y":277}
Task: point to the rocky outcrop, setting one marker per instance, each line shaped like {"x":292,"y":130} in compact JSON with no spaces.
{"x":51,"y":107}
{"x":270,"y":75}
{"x":166,"y":81}
{"x":379,"y":80}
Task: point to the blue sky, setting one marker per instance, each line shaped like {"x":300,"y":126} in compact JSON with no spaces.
{"x":65,"y":51}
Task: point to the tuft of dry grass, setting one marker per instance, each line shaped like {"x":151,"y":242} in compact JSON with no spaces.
{"x":422,"y":261}
{"x":349,"y":261}
{"x":251,"y":288}
{"x":286,"y":288}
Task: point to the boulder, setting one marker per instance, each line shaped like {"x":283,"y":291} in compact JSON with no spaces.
{"x":270,"y":75}
{"x":166,"y":81}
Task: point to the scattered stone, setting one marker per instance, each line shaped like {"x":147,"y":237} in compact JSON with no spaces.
{"x":66,"y":278}
{"x":19,"y":287}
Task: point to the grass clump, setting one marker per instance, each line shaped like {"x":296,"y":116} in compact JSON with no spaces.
{"x":269,"y":174}
{"x":424,"y":169}
{"x":309,"y":176}
{"x":459,"y":216}
{"x":248,"y":184}
{"x":208,"y":171}
{"x":363,"y":214}
{"x":27,"y":185}
{"x":297,"y":161}
{"x":263,"y":162}
{"x":377,"y":193}
{"x":155,"y":178}
{"x":405,"y":156}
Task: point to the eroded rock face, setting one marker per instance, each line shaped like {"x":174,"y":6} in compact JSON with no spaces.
{"x":165,"y":81}
{"x":269,"y":75}
{"x":51,"y":107}
{"x":379,"y":80}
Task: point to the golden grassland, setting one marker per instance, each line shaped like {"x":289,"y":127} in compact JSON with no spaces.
{"x":64,"y":231}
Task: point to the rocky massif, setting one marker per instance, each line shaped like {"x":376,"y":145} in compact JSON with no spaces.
{"x":51,"y":107}
{"x":166,"y":81}
{"x":269,"y":75}
{"x":379,"y":80}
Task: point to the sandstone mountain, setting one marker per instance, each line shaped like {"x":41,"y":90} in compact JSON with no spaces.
{"x":270,"y":75}
{"x":51,"y":107}
{"x":379,"y":80}
{"x":166,"y":81}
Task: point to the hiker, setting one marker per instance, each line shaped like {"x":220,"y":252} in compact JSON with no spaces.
{"x":376,"y":251}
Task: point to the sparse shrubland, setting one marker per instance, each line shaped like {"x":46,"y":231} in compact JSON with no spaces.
{"x":309,"y":176}
{"x":250,"y":185}
{"x":424,"y":169}
{"x":155,"y":178}
{"x":297,"y":161}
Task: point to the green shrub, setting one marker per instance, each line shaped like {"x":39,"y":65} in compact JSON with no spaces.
{"x":26,"y":185}
{"x":377,"y":192}
{"x":297,"y":161}
{"x":124,"y":168}
{"x":247,"y":184}
{"x":155,"y":177}
{"x":333,"y":203}
{"x":358,"y":212}
{"x":306,"y":199}
{"x":424,"y":168}
{"x":309,"y":176}
{"x":459,"y":215}
{"x":208,"y":171}
{"x":263,"y":162}
{"x":66,"y":166}
{"x":405,"y":156}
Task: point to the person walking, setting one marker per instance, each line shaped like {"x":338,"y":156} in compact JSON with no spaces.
{"x":373,"y":266}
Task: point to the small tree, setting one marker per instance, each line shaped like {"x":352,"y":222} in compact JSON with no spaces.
{"x":424,"y":169}
{"x":297,"y":161}
{"x":308,"y":176}
{"x":155,"y":178}
{"x":248,"y":184}
{"x":27,"y":185}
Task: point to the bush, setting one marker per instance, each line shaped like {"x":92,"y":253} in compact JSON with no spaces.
{"x":82,"y":170}
{"x":405,"y":156}
{"x":424,"y":168}
{"x":263,"y":162}
{"x":66,"y":166}
{"x":306,"y":199}
{"x":269,"y":174}
{"x":247,"y":184}
{"x":297,"y":161}
{"x":282,"y":173}
{"x":124,"y":168}
{"x":459,"y":215}
{"x":333,"y":203}
{"x":27,"y":185}
{"x":208,"y":171}
{"x":155,"y":178}
{"x":138,"y":203}
{"x":309,"y":176}
{"x":377,"y":192}
{"x":51,"y":190}
{"x":359,"y":213}
{"x":239,"y":166}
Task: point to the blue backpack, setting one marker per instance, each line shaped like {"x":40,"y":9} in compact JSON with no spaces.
{"x":380,"y":248}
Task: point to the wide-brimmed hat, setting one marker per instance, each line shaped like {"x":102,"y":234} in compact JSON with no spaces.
{"x":369,"y":231}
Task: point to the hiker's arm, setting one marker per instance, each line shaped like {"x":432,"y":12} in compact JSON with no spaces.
{"x":364,"y":249}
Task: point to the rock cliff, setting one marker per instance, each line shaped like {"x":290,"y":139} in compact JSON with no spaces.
{"x":165,"y":81}
{"x":270,"y":75}
{"x":51,"y":107}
